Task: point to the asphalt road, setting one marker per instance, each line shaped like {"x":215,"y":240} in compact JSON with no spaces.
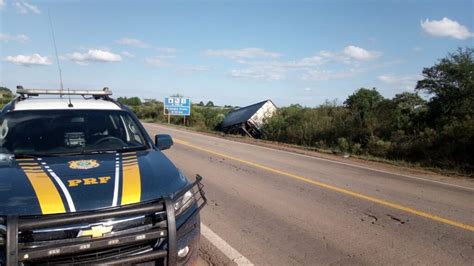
{"x":281,"y":208}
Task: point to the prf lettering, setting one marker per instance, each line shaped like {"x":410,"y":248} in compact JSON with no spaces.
{"x":88,"y":181}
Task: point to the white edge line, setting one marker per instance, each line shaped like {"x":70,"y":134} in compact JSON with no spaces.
{"x":117,"y":180}
{"x":223,"y":247}
{"x":323,"y":159}
{"x":64,"y":189}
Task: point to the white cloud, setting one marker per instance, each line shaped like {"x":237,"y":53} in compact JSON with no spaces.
{"x":308,"y":89}
{"x":159,"y":60}
{"x":327,"y":74}
{"x":141,"y":44}
{"x":446,"y":28}
{"x":193,"y":69}
{"x":359,"y":53}
{"x":306,"y":62}
{"x":264,"y":65}
{"x":417,"y":48}
{"x":29,"y":60}
{"x":2,"y":4}
{"x":133,"y":42}
{"x":32,"y":8}
{"x":309,"y":68}
{"x":406,"y":82}
{"x":128,"y":54}
{"x":92,"y":55}
{"x":5,"y":37}
{"x":24,"y":8}
{"x":166,"y":60}
{"x":245,"y":53}
{"x":260,"y":72}
{"x":276,"y":70}
{"x":390,"y":79}
{"x":351,"y":55}
{"x":166,"y":50}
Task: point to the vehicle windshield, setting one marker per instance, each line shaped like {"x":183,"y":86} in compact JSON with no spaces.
{"x":53,"y":132}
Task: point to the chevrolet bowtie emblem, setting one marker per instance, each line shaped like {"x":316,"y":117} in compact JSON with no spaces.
{"x":96,"y":231}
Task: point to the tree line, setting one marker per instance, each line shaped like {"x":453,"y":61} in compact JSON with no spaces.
{"x":437,"y":131}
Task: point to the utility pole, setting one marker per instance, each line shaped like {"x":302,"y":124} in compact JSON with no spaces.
{"x":166,"y":112}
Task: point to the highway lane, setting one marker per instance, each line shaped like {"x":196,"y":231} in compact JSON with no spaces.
{"x":260,"y":207}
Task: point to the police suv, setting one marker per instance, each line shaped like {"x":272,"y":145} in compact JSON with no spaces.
{"x":81,"y":182}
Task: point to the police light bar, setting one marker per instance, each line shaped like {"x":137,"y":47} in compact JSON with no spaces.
{"x":35,"y":92}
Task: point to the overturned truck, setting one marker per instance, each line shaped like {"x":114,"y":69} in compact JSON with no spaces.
{"x":248,"y":120}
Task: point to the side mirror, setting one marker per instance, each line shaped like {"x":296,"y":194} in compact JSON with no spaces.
{"x":163,"y":141}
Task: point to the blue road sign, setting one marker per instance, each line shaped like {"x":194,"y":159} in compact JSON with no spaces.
{"x":177,"y":106}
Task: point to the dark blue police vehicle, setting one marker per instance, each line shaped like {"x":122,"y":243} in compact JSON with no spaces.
{"x":81,"y":182}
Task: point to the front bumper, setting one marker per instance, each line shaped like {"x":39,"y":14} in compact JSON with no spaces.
{"x":145,"y":232}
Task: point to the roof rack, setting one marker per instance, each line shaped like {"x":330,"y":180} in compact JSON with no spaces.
{"x":35,"y":92}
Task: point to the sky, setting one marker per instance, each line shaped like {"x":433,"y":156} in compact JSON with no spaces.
{"x":230,"y":52}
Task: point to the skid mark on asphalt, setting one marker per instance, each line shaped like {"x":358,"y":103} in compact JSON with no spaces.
{"x":337,"y":189}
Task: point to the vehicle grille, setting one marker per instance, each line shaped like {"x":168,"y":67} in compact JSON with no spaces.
{"x":54,"y":239}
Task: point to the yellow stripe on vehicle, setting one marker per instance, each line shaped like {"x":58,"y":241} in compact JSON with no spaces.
{"x":48,"y":196}
{"x":25,"y":160}
{"x":29,"y":168}
{"x":28,"y":164}
{"x":131,"y":182}
{"x":34,"y":172}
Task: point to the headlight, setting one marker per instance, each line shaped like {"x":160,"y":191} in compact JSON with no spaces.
{"x":184,"y":202}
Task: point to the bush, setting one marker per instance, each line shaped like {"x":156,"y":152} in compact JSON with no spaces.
{"x":356,"y":148}
{"x":378,"y":147}
{"x":343,"y":144}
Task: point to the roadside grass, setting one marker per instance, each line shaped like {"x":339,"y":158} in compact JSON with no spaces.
{"x":324,"y":153}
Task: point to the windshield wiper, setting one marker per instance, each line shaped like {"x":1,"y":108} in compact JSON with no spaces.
{"x":138,"y":148}
{"x":127,"y":149}
{"x":83,"y":152}
{"x":34,"y":155}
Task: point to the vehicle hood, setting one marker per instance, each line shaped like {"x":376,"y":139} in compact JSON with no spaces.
{"x":49,"y":185}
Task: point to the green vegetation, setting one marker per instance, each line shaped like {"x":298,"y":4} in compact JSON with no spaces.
{"x":133,"y":101}
{"x":438,"y":132}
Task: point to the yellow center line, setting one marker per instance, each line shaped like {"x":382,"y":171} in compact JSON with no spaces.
{"x":337,"y":189}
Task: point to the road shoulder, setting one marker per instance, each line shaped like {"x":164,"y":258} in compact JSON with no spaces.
{"x":410,"y":172}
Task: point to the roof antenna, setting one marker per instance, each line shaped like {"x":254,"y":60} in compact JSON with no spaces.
{"x":57,"y":61}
